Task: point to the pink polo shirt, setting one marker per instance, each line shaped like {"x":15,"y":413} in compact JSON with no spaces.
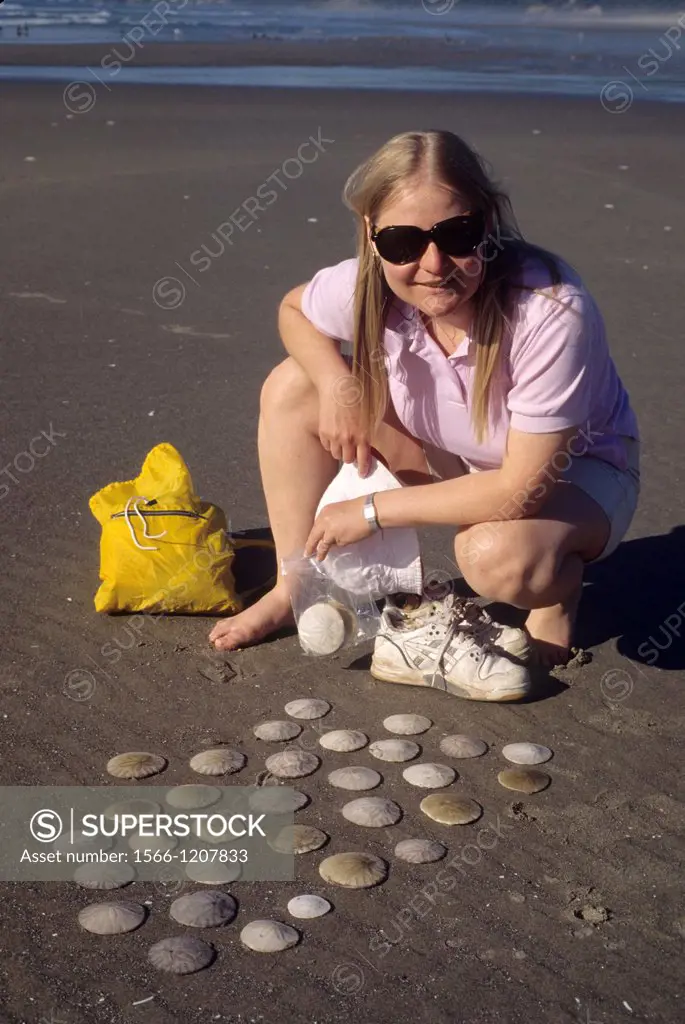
{"x":555,"y":371}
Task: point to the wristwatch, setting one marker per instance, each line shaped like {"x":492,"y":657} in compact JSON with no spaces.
{"x":370,"y":513}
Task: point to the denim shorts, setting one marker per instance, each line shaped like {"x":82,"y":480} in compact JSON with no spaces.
{"x":615,"y":490}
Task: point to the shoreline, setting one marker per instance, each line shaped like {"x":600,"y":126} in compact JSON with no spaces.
{"x":382,"y":64}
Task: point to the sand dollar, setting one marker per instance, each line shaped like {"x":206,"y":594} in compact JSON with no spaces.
{"x":307,"y":708}
{"x":111,"y":918}
{"x":104,"y":876}
{"x":193,"y":797}
{"x":343,"y":740}
{"x":292,"y":764}
{"x":394,"y":750}
{"x":277,"y":800}
{"x":308,"y":906}
{"x":218,"y":761}
{"x":524,"y":780}
{"x":213,"y":872}
{"x":208,"y":908}
{"x":429,"y":776}
{"x":324,"y":627}
{"x":460,"y":745}
{"x":136,"y":764}
{"x":372,"y":812}
{"x":182,"y":954}
{"x":355,"y":777}
{"x":526,"y":753}
{"x":295,"y":839}
{"x":407,"y":725}
{"x":277,"y":732}
{"x":354,"y":870}
{"x":420,"y":851}
{"x":268,"y":936}
{"x":451,"y":810}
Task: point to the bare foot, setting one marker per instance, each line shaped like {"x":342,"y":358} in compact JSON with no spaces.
{"x":266,"y":616}
{"x":551,"y":630}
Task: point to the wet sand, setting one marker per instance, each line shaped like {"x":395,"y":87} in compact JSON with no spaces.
{"x":101,"y":214}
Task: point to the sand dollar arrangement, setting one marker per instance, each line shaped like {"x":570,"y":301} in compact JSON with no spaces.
{"x":325,"y":627}
{"x":136,"y":764}
{"x":524,"y":780}
{"x":394,"y":750}
{"x":355,"y":777}
{"x":429,"y":776}
{"x":296,"y":839}
{"x":308,"y":906}
{"x":111,"y":918}
{"x":208,"y":908}
{"x":354,"y":870}
{"x":420,"y":851}
{"x":372,"y":812}
{"x":447,"y":809}
{"x":277,"y":800}
{"x":292,"y":764}
{"x":182,"y":954}
{"x":407,"y":725}
{"x":343,"y":740}
{"x":307,"y":708}
{"x":193,"y":796}
{"x":268,"y":936}
{"x":218,"y":761}
{"x":277,"y":732}
{"x":526,"y":753}
{"x":462,"y":746}
{"x":104,"y":876}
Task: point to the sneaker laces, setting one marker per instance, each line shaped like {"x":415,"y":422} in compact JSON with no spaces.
{"x":469,"y":617}
{"x":463,"y":619}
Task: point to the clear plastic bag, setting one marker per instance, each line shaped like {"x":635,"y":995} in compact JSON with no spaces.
{"x":328,"y":618}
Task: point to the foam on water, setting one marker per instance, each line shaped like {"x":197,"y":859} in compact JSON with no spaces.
{"x":393,"y":79}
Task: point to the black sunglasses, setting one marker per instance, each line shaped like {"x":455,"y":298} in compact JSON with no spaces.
{"x":404,"y":243}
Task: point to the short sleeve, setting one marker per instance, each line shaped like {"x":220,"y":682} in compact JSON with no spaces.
{"x":551,"y":366}
{"x":328,"y":300}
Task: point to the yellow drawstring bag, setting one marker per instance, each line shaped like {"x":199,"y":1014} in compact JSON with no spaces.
{"x":162,"y":548}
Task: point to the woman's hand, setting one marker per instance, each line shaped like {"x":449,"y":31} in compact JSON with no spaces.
{"x":337,"y":524}
{"x":341,"y":428}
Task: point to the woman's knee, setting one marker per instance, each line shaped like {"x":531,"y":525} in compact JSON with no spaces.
{"x":504,"y":563}
{"x":287,"y":387}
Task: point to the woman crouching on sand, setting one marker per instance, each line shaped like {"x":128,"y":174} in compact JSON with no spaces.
{"x":483,"y":379}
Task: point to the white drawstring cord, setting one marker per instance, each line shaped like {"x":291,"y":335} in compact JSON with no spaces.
{"x":148,"y":536}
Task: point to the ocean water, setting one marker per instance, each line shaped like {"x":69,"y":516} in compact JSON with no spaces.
{"x":571,"y":47}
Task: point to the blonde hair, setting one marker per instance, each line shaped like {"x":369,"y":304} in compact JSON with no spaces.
{"x":445,"y":159}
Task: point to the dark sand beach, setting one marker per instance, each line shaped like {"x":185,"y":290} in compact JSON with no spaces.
{"x":566,"y":906}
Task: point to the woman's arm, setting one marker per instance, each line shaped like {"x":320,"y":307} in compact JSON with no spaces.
{"x":519,"y":488}
{"x":317,"y":353}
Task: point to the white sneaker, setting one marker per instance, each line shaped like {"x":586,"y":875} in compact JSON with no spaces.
{"x":436,"y":645}
{"x":474,"y":619}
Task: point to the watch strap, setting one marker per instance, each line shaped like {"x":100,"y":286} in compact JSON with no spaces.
{"x":370,"y":513}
